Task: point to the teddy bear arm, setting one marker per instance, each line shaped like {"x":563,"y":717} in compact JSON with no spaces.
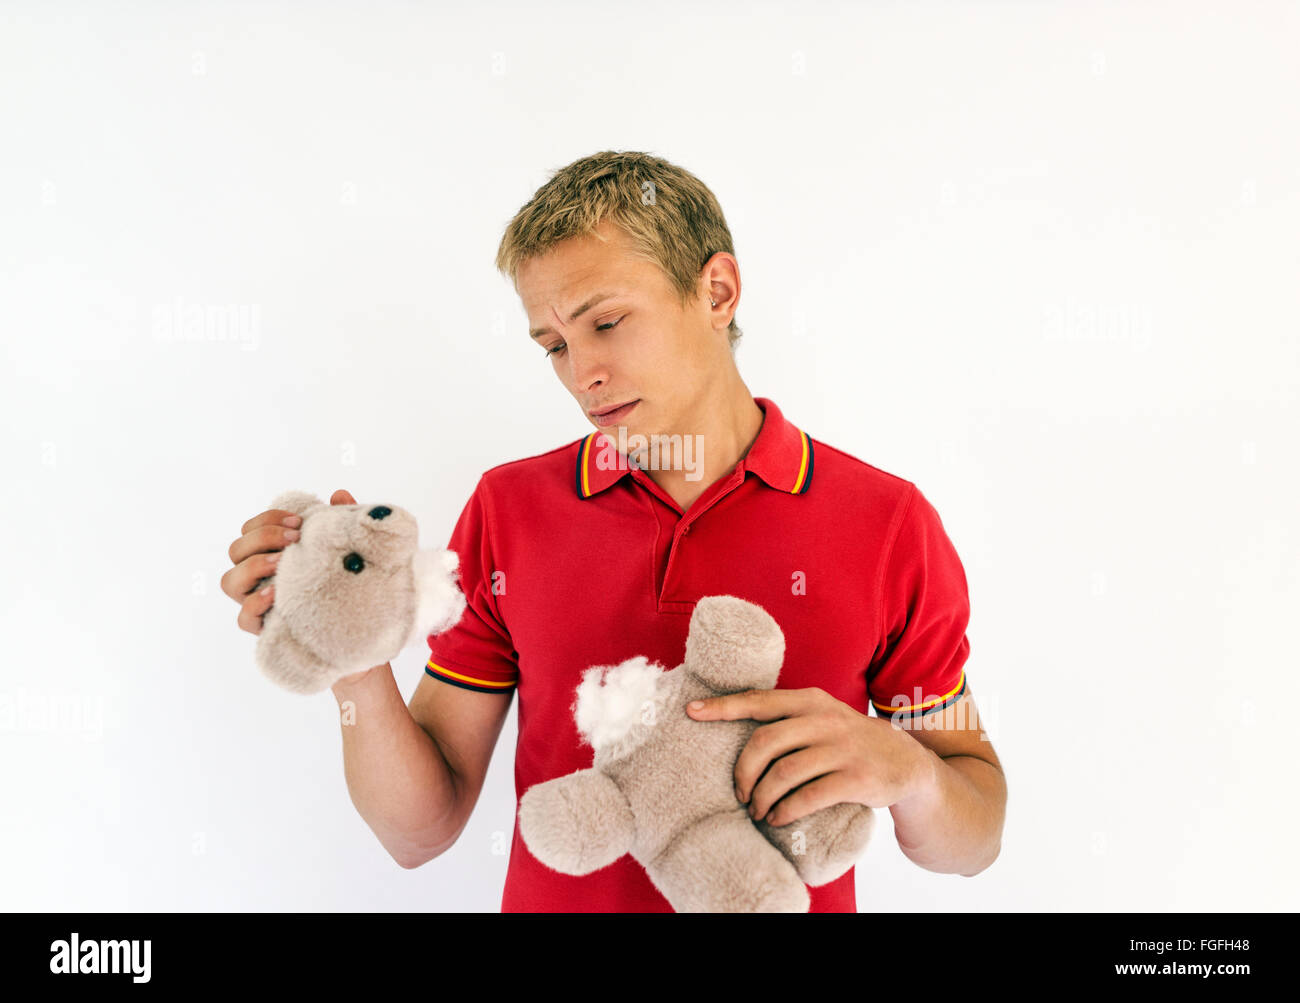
{"x":577,"y":824}
{"x":824,"y":844}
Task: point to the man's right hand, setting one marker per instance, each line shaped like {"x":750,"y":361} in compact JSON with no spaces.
{"x":255,"y":555}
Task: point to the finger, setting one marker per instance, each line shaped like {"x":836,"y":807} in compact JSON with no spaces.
{"x":766,"y":744}
{"x":730,"y":707}
{"x":271,"y":517}
{"x":269,"y":536}
{"x":247,"y":575}
{"x":827,"y":790}
{"x":784,"y":775}
{"x":757,"y":705}
{"x":253,"y":609}
{"x":341,"y":497}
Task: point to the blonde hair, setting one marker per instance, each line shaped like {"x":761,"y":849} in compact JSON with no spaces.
{"x":669,"y":215}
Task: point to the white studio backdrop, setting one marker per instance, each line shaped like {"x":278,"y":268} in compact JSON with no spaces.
{"x":1039,"y":259}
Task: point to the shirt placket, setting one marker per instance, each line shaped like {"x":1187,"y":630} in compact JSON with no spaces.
{"x":673,"y":575}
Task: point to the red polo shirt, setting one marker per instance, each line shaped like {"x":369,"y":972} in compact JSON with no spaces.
{"x":566,"y":564}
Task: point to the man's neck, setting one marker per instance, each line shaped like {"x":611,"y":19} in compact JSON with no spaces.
{"x":722,"y":434}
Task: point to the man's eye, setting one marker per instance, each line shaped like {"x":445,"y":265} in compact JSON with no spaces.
{"x":603,"y":327}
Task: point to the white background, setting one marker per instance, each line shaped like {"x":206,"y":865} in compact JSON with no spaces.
{"x":1040,"y":259}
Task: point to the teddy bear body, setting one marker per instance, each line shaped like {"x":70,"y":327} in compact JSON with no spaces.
{"x":661,"y":785}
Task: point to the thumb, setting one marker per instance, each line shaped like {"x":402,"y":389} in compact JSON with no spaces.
{"x":341,"y":497}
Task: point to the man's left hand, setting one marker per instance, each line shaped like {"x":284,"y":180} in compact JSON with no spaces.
{"x":816,"y":751}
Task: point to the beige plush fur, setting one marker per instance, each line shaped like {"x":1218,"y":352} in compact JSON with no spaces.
{"x":327,"y":621}
{"x":661,"y":786}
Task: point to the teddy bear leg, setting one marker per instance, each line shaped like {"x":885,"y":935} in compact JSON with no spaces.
{"x":721,"y":863}
{"x":825,"y":844}
{"x":577,"y":824}
{"x":733,"y":645}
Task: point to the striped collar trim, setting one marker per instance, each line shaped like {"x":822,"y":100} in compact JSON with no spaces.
{"x":781,"y":456}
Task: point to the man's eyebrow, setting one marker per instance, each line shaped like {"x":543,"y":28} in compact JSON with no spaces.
{"x":537,"y":332}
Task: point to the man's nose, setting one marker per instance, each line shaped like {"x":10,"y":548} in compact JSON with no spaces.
{"x":588,"y":369}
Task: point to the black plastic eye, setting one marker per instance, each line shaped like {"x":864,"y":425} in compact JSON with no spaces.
{"x":380,"y":512}
{"x":354,"y":563}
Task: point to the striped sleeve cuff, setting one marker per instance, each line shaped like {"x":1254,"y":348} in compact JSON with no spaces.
{"x":923,"y":706}
{"x":470,"y":682}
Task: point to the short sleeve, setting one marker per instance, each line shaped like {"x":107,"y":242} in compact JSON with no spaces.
{"x":925,"y":608}
{"x":477,"y":652}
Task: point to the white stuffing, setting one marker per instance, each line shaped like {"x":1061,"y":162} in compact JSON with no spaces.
{"x":608,"y":707}
{"x":440,"y":601}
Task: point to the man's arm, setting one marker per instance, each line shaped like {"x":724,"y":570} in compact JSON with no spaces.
{"x":953,"y":824}
{"x":414,"y":774}
{"x":464,"y":725}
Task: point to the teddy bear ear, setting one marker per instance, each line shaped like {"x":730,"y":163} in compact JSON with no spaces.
{"x":297,"y":502}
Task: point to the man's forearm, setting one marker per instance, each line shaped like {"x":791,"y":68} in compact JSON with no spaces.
{"x":953,"y":824}
{"x":396,"y":775}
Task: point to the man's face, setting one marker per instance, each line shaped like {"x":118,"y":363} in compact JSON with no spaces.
{"x":631,"y":339}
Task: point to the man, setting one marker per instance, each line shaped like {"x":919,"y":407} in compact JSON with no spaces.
{"x":590,"y":554}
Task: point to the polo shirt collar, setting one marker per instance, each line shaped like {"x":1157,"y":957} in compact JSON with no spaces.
{"x":781,"y":456}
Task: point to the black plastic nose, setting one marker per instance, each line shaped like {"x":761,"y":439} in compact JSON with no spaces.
{"x":380,"y":512}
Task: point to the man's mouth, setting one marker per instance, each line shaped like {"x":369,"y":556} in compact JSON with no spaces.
{"x":617,"y":414}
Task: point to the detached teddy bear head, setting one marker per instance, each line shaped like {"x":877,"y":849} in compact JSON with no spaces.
{"x":351,"y":593}
{"x":661,"y":786}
